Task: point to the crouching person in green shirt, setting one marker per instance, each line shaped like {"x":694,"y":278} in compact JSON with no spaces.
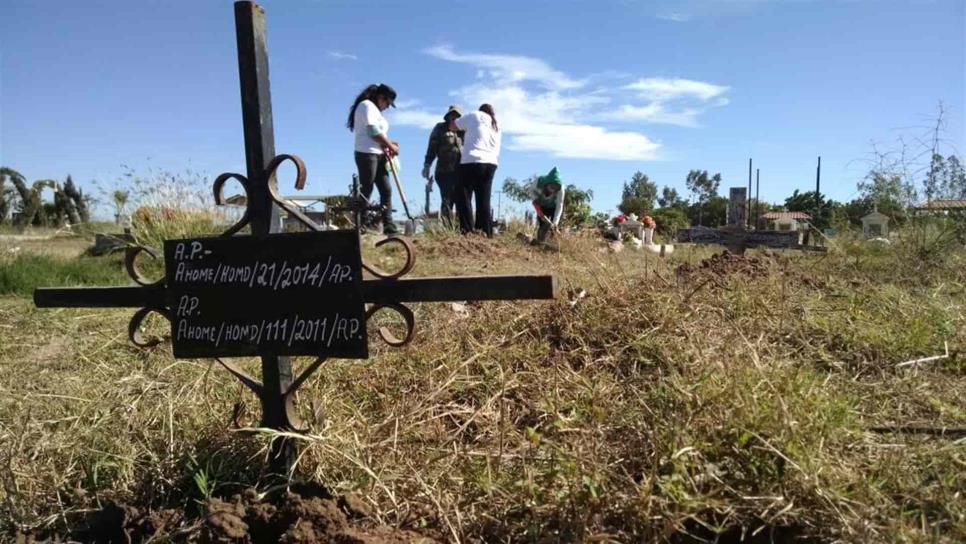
{"x":548,"y":201}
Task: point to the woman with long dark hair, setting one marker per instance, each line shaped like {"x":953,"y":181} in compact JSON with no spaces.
{"x":478,"y":161}
{"x":373,"y":146}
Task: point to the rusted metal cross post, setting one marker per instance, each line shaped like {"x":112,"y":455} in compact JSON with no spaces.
{"x":256,"y":101}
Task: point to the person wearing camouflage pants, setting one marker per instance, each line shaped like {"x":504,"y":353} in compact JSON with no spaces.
{"x":444,"y":147}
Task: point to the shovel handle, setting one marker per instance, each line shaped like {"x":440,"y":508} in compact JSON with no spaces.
{"x":402,"y":195}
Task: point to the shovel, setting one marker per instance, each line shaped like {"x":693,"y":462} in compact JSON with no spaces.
{"x":402,"y":195}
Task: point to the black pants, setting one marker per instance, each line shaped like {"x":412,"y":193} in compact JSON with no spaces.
{"x":475,"y":179}
{"x":447,"y":183}
{"x":544,"y":229}
{"x":373,"y":173}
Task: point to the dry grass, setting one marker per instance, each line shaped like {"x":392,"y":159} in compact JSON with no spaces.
{"x":658,"y":406}
{"x":44,"y":241}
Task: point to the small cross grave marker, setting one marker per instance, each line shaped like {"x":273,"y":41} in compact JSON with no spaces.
{"x":735,"y":236}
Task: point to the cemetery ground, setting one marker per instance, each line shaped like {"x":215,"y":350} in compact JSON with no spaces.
{"x":754,"y":398}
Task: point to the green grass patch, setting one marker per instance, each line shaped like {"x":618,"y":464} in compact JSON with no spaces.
{"x":22,"y":274}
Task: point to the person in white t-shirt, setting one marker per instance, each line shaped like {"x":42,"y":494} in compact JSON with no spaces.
{"x":373,"y":146}
{"x":478,"y":161}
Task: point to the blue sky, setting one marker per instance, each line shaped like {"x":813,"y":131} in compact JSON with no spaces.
{"x":598,"y":88}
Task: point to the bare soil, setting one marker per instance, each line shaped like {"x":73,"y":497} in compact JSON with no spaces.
{"x":729,"y":263}
{"x":305,"y":515}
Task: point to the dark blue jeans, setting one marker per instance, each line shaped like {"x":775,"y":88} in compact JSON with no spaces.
{"x":373,"y":173}
{"x":544,"y":230}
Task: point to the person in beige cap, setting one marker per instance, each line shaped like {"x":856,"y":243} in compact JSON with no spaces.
{"x":445,"y":146}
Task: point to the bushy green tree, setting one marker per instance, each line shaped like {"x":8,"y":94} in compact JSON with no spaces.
{"x":577,"y":211}
{"x":669,"y":220}
{"x":945,"y":179}
{"x":805,"y":202}
{"x":671,"y":199}
{"x":712,"y":213}
{"x":517,"y":190}
{"x":638,"y":195}
{"x":704,"y":187}
{"x":885,"y":187}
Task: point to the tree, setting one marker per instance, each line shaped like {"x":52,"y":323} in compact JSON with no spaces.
{"x":61,"y":209}
{"x":945,"y":179}
{"x":805,"y":202}
{"x":713,"y":213}
{"x":671,"y":199}
{"x":29,"y":203}
{"x":6,"y":195}
{"x":577,"y":211}
{"x":885,"y":185}
{"x":78,"y":200}
{"x":886,"y":190}
{"x":638,"y":195}
{"x":120,"y":199}
{"x":516,"y":190}
{"x":704,"y":188}
{"x":669,"y":220}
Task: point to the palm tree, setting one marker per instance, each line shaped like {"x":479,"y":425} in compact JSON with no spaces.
{"x":6,"y":195}
{"x":120,"y":198}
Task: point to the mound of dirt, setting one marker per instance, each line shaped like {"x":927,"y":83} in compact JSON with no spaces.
{"x":724,"y":263}
{"x":306,"y":515}
{"x":460,"y":246}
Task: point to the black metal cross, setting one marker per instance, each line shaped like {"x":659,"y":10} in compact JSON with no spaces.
{"x":735,"y":237}
{"x":170,"y":296}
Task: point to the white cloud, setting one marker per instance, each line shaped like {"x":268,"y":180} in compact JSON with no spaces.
{"x":407,"y":103}
{"x":657,"y":88}
{"x":586,"y":142}
{"x":674,"y":16}
{"x":342,"y":56}
{"x":671,"y":101}
{"x":655,"y":112}
{"x":414,"y":118}
{"x":541,"y":109}
{"x":508,"y":68}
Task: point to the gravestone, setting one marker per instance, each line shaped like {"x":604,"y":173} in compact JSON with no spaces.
{"x":875,"y":224}
{"x":633,"y":226}
{"x":738,"y":207}
{"x":734,"y":236}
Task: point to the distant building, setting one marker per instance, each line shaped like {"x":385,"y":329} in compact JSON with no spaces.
{"x":945,"y":205}
{"x":787,"y":220}
{"x":306,"y":204}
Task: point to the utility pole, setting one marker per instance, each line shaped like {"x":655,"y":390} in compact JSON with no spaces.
{"x":818,"y":181}
{"x":748,"y":205}
{"x":757,"y":198}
